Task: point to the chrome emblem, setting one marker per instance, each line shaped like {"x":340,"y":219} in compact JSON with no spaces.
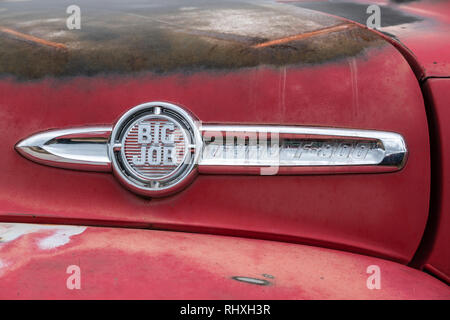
{"x":154,"y":148}
{"x":157,"y":148}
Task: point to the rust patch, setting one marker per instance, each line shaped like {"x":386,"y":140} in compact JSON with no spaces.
{"x":32,"y":39}
{"x":215,"y":36}
{"x":305,"y":35}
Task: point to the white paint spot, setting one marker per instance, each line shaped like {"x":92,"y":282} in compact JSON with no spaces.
{"x":39,"y":22}
{"x":53,"y":20}
{"x":56,"y":34}
{"x":59,"y":237}
{"x":187,"y":8}
{"x":255,"y":22}
{"x":3,"y":265}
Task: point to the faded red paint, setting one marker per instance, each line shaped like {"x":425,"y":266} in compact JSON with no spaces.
{"x":380,"y":214}
{"x":426,"y":45}
{"x":144,"y":264}
{"x":369,"y":85}
{"x":436,"y":251}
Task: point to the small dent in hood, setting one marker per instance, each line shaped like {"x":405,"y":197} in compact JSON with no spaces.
{"x":256,"y":281}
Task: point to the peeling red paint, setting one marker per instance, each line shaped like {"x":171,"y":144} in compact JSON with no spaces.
{"x":144,"y":264}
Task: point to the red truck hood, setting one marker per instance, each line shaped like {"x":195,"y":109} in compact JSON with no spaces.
{"x":171,"y":36}
{"x":167,"y":36}
{"x":227,"y":62}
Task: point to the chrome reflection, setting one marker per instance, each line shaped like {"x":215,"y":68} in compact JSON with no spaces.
{"x":76,"y":148}
{"x":241,"y":149}
{"x":285,"y":146}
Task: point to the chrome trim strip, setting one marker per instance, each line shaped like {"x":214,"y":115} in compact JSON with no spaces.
{"x":383,"y":149}
{"x":87,"y":148}
{"x":76,"y":148}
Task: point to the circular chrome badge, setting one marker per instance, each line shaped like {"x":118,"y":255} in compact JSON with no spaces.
{"x":154,"y":148}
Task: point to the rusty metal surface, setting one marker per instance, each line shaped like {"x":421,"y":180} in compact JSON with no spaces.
{"x":170,"y":36}
{"x":36,"y":262}
{"x":420,"y":29}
